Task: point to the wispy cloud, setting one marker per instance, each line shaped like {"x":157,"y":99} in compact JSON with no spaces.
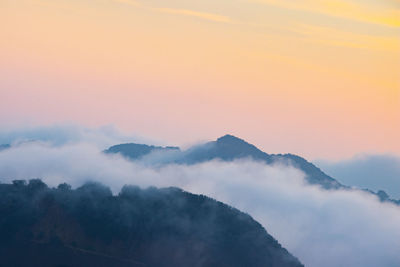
{"x":337,"y":37}
{"x":179,"y":11}
{"x":371,"y":12}
{"x":192,"y":13}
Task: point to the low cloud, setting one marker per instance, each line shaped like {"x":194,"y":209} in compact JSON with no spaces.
{"x":58,"y":135}
{"x":321,"y":228}
{"x":375,"y":172}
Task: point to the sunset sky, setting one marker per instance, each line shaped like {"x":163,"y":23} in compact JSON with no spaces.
{"x":319,"y":78}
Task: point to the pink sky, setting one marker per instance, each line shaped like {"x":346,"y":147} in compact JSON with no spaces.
{"x":316,"y":78}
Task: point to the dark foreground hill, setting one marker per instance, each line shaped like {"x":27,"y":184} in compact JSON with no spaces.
{"x":89,"y":226}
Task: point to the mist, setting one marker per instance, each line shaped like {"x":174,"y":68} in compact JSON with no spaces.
{"x":375,"y":172}
{"x":62,"y":134}
{"x":321,"y":228}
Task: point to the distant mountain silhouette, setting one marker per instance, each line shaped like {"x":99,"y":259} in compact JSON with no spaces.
{"x":136,"y":151}
{"x":383,"y":196}
{"x":228,"y":148}
{"x":89,"y":226}
{"x":4,"y":146}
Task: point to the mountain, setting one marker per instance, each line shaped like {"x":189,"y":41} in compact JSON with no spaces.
{"x":383,"y":196}
{"x":4,"y":146}
{"x":89,"y":226}
{"x":136,"y":151}
{"x":228,"y":148}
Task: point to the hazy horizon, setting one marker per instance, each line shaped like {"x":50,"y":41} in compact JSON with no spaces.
{"x":362,"y":170}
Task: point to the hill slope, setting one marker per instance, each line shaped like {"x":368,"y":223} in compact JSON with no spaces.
{"x":89,"y":226}
{"x":137,"y":151}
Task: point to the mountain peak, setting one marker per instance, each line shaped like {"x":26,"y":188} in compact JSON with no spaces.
{"x":229,"y":147}
{"x":228,"y":138}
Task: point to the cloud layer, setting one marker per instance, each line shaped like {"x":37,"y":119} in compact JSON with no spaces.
{"x":321,"y":228}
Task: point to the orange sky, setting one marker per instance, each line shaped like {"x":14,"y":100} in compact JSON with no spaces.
{"x":320,"y":78}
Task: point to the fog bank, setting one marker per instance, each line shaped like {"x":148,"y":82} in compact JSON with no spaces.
{"x":321,"y":228}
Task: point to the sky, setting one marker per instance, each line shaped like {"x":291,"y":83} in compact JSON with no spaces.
{"x":319,"y":78}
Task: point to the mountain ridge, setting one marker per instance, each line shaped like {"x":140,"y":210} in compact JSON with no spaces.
{"x":230,"y":147}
